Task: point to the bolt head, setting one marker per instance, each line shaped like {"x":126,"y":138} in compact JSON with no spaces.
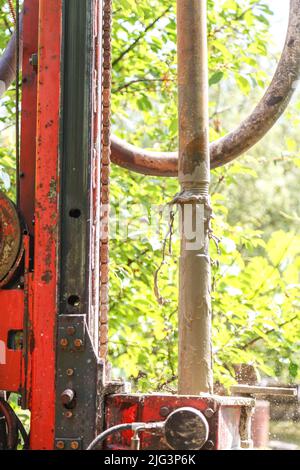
{"x":209,"y":412}
{"x":164,"y":411}
{"x":64,"y":342}
{"x":78,"y":343}
{"x":209,"y":445}
{"x":71,"y":330}
{"x":67,"y":397}
{"x":60,"y":445}
{"x":74,"y":445}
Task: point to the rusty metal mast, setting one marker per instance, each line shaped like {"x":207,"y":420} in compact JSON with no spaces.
{"x":195,"y":371}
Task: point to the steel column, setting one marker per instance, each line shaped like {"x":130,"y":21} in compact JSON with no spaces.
{"x":46,"y":226}
{"x":29,"y":111}
{"x":79,"y":372}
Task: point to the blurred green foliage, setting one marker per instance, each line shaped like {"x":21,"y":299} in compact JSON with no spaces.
{"x":255,"y":199}
{"x":256,"y":270}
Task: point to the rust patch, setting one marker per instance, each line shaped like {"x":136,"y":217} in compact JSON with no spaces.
{"x":47,"y":277}
{"x":193,"y":154}
{"x":49,"y":124}
{"x":53,"y":191}
{"x":10,"y":238}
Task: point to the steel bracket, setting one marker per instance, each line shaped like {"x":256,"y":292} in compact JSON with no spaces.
{"x":72,"y":332}
{"x":81,"y":372}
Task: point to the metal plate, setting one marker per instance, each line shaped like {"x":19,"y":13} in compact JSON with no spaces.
{"x":186,"y":429}
{"x":10,"y":238}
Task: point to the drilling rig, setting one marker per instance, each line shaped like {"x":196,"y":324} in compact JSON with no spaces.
{"x":54,"y":243}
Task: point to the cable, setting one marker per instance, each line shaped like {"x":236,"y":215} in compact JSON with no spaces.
{"x":23,"y":433}
{"x":14,"y":426}
{"x":11,"y":423}
{"x":120,"y":427}
{"x":17,"y":103}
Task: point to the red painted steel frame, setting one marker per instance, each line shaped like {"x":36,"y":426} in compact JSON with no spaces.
{"x":11,"y":319}
{"x":46,"y":226}
{"x":29,"y":112}
{"x":224,"y":422}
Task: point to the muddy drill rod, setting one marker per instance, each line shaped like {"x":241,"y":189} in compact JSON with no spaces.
{"x":195,"y":361}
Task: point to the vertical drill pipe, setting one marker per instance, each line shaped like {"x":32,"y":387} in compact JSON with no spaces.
{"x":195,"y":361}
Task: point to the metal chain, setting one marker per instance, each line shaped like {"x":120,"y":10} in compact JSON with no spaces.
{"x":12,"y":11}
{"x":105,"y":171}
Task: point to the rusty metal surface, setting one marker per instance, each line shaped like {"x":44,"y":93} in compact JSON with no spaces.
{"x":10,"y":238}
{"x":105,"y":171}
{"x":249,"y":132}
{"x":29,"y":113}
{"x":79,"y":383}
{"x":186,"y":429}
{"x":78,"y":367}
{"x":194,"y":306}
{"x":257,"y":391}
{"x":44,"y":289}
{"x":223,"y":415}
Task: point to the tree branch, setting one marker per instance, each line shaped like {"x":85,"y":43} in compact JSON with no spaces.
{"x":254,"y":340}
{"x":139,"y":80}
{"x":141,"y":36}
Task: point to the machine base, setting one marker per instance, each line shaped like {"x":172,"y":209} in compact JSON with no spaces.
{"x":229,"y":419}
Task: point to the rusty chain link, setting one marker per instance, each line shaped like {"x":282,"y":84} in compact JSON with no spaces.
{"x":105,"y":172}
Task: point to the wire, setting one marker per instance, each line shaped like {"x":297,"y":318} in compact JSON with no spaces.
{"x":17,"y":103}
{"x":120,"y":427}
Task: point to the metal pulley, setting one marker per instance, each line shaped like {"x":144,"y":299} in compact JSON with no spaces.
{"x":11,"y":247}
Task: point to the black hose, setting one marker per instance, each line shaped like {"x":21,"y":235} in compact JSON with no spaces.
{"x":23,"y":433}
{"x":14,"y":426}
{"x":11,"y":423}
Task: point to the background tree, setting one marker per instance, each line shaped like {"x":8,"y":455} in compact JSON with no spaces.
{"x":256,"y":264}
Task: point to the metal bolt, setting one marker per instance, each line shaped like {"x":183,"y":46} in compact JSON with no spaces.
{"x":164,"y":411}
{"x":209,"y":413}
{"x":74,"y":445}
{"x":71,"y":330}
{"x":209,"y":445}
{"x":60,"y":445}
{"x":70,"y":372}
{"x":64,"y":342}
{"x":78,"y":343}
{"x":67,"y":397}
{"x":68,"y":414}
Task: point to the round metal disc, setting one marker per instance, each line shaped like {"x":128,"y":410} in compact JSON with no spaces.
{"x":10,"y":237}
{"x":186,"y":429}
